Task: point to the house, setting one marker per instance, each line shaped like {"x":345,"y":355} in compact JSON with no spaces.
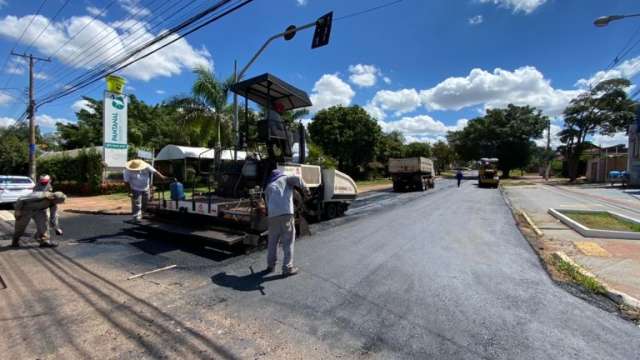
{"x":602,"y":160}
{"x":633,"y":162}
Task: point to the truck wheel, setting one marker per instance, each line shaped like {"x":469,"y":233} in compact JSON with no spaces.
{"x":330,"y":211}
{"x":341,"y":209}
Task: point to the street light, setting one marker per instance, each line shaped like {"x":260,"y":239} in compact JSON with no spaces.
{"x":605,"y":20}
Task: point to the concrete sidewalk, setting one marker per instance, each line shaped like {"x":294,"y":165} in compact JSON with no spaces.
{"x":614,"y":261}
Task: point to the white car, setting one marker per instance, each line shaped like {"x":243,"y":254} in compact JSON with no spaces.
{"x":13,"y":187}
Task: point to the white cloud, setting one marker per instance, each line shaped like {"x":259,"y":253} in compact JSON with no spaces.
{"x":49,"y":122}
{"x":525,"y":6}
{"x":606,"y":141}
{"x":626,"y":69}
{"x":40,"y":75}
{"x":523,"y":86}
{"x":3,"y":3}
{"x":422,"y":127}
{"x":5,"y":98}
{"x":6,"y":121}
{"x":476,"y":20}
{"x":302,"y":2}
{"x":134,"y":8}
{"x":160,"y":92}
{"x":386,"y":80}
{"x":82,"y":104}
{"x":113,"y":42}
{"x":364,"y":75}
{"x":400,"y":101}
{"x":330,"y":90}
{"x":96,"y":11}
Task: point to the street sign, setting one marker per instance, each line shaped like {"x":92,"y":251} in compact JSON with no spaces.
{"x":115,"y":130}
{"x":323,"y":31}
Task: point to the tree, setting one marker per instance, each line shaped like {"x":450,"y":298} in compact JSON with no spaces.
{"x":14,"y":151}
{"x":443,"y":155}
{"x":348,"y":134}
{"x":604,"y":109}
{"x":502,"y":133}
{"x":87,"y":131}
{"x":391,"y":145}
{"x":417,"y":148}
{"x":212,"y":94}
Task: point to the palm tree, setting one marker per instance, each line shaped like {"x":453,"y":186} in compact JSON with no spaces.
{"x":212,"y":93}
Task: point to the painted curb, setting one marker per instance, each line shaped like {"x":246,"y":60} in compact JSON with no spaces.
{"x":595,"y":233}
{"x":616,"y":296}
{"x":531,"y":223}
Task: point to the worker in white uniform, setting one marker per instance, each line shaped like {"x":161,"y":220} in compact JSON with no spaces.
{"x":280,"y":211}
{"x":137,"y":174}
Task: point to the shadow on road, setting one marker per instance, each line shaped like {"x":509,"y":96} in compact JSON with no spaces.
{"x":251,"y":282}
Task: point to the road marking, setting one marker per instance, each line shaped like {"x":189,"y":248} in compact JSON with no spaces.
{"x":590,"y":248}
{"x":6,"y":215}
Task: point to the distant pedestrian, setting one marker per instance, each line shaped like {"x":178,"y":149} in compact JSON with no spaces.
{"x":459,"y":176}
{"x":279,"y":196}
{"x":34,"y":206}
{"x":137,"y":174}
{"x":44,"y":184}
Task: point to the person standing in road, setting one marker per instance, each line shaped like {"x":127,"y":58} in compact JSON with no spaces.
{"x":280,"y":211}
{"x":34,"y":206}
{"x":44,"y":184}
{"x":137,"y":174}
{"x":459,"y":176}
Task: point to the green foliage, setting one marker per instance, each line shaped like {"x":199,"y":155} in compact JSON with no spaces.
{"x":318,"y":157}
{"x":349,"y":135}
{"x":590,"y":283}
{"x":391,"y":145}
{"x":502,"y":133}
{"x":14,"y":155}
{"x":85,"y":169}
{"x":605,"y":109}
{"x":416,"y":149}
{"x":443,"y":155}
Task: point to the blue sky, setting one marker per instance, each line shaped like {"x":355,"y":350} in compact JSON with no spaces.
{"x":421,"y":67}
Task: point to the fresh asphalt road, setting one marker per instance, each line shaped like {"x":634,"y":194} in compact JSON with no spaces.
{"x":443,"y":274}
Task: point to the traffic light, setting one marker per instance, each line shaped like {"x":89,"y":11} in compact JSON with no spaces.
{"x":323,"y":31}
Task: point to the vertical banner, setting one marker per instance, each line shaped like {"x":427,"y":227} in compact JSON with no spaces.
{"x":115,"y":130}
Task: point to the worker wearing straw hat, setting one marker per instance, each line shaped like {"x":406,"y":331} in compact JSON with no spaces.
{"x":137,"y":174}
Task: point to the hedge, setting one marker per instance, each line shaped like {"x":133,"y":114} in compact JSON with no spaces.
{"x":80,"y":174}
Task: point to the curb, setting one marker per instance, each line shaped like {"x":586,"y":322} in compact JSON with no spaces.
{"x":531,"y":223}
{"x":97,"y":212}
{"x":616,"y":296}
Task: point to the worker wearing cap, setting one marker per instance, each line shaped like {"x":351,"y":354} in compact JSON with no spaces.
{"x":44,"y":184}
{"x":34,"y":206}
{"x":279,"y":196}
{"x":137,"y":174}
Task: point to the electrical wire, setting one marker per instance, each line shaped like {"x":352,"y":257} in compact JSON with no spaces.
{"x":47,"y":26}
{"x":174,"y":31}
{"x":113,"y":37}
{"x":362,"y":12}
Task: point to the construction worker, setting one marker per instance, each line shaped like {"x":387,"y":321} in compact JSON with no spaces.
{"x":137,"y":174}
{"x":35,"y":206}
{"x":459,"y":176}
{"x":280,"y":211}
{"x":44,"y":184}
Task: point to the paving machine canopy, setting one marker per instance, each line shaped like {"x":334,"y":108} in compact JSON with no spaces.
{"x":272,"y":93}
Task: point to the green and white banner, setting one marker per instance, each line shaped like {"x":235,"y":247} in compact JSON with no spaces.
{"x":115,"y":130}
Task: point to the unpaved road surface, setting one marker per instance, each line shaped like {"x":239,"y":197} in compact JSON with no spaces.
{"x":442,"y":274}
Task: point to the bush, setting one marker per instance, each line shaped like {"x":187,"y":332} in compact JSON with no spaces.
{"x":81,"y":174}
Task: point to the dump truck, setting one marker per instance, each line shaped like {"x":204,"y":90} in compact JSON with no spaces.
{"x":231,"y":211}
{"x":488,"y":173}
{"x":416,"y":173}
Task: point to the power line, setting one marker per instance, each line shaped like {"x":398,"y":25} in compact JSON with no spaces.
{"x":112,"y":37}
{"x":174,"y":31}
{"x":47,"y":26}
{"x":361,"y":12}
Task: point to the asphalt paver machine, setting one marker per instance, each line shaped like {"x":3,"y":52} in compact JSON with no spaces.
{"x":232,"y":211}
{"x":488,"y":173}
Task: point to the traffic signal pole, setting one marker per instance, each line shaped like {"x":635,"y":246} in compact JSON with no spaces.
{"x":323,"y":28}
{"x":31,"y":113}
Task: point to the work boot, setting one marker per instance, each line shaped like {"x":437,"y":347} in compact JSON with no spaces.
{"x":59,"y":232}
{"x":290,"y":271}
{"x":269,"y":270}
{"x":15,"y":243}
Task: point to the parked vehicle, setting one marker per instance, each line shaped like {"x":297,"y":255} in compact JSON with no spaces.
{"x":13,"y":187}
{"x":618,"y":176}
{"x":416,"y":173}
{"x":488,"y":173}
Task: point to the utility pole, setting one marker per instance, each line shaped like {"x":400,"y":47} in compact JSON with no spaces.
{"x":31,"y":113}
{"x":547,"y":154}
